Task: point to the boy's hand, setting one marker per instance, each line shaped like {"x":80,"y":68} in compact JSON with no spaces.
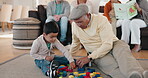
{"x":72,"y":65}
{"x":49,"y":58}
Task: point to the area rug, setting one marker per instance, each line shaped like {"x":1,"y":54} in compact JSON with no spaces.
{"x":6,"y":34}
{"x":20,"y":67}
{"x":23,"y":67}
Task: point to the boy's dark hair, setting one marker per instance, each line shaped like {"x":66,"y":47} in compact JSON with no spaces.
{"x":51,"y":27}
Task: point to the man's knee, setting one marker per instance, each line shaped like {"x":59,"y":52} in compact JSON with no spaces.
{"x":120,"y":44}
{"x":120,"y":47}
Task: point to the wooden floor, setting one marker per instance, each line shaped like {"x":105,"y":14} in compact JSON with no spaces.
{"x":8,"y":52}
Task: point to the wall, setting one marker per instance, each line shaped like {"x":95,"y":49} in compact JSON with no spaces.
{"x":6,"y":1}
{"x":30,"y":3}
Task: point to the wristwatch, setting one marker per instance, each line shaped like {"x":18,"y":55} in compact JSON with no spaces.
{"x":89,"y":58}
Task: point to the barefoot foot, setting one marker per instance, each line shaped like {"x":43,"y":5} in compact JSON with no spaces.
{"x":136,"y":48}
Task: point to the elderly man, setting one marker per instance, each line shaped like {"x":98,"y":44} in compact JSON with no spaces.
{"x":110,"y":55}
{"x":59,"y":10}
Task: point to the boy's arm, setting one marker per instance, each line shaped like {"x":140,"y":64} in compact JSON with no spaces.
{"x":60,"y":47}
{"x":35,"y":49}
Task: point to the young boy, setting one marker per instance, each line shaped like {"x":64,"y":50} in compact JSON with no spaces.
{"x":42,"y":51}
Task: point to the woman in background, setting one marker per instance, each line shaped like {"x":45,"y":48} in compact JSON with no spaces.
{"x":133,"y":25}
{"x":59,"y":10}
{"x":110,"y":14}
{"x":75,"y":3}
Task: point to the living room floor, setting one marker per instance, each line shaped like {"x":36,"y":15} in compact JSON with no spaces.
{"x":7,"y":51}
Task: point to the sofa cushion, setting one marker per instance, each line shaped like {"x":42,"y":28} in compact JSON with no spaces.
{"x":144,"y":31}
{"x":30,"y":21}
{"x":33,"y":14}
{"x":42,"y":13}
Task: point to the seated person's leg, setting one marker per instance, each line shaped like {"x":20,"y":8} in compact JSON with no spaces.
{"x":119,"y":23}
{"x":125,"y":30}
{"x":135,"y":26}
{"x":128,"y":65}
{"x":63,"y":28}
{"x":109,"y":66}
{"x":50,"y":18}
{"x":43,"y":65}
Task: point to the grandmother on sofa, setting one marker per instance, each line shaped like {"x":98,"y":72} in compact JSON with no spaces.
{"x":59,"y":10}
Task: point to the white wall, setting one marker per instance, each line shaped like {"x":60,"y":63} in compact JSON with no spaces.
{"x":1,"y":2}
{"x":6,"y":1}
{"x":43,"y":2}
{"x":30,"y":3}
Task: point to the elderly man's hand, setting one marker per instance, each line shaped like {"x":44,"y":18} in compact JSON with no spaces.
{"x":82,"y":61}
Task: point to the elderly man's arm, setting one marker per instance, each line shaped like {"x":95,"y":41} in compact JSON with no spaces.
{"x":75,"y":42}
{"x":107,"y":36}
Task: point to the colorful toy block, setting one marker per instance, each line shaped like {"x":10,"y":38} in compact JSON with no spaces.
{"x":76,"y":74}
{"x":92,"y":75}
{"x":86,"y":76}
{"x":81,"y":70}
{"x":71,"y":76}
{"x":91,"y":70}
{"x":63,"y":68}
{"x":63,"y":72}
{"x":97,"y":75}
{"x":87,"y":73}
{"x":69,"y":70}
